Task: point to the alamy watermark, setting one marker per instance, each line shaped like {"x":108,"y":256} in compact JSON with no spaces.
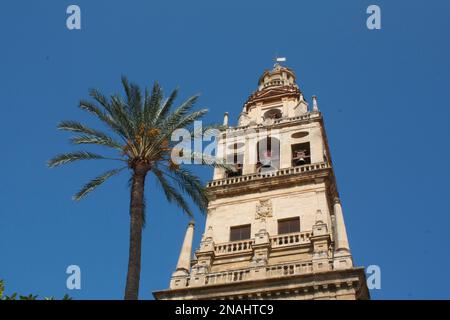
{"x":373,"y":277}
{"x":73,"y":281}
{"x":255,"y":146}
{"x":374,"y":20}
{"x":73,"y":21}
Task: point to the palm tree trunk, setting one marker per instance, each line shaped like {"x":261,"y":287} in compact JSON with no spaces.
{"x":136,"y":223}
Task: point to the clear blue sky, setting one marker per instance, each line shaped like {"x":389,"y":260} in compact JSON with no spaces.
{"x":384,"y":94}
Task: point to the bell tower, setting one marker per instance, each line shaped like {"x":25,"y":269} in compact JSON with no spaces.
{"x":275,"y":227}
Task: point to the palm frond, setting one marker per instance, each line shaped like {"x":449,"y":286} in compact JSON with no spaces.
{"x":97,"y":137}
{"x":134,"y":99}
{"x":172,"y":119}
{"x":135,"y":103}
{"x":94,"y":183}
{"x":143,"y":124}
{"x":200,"y":131}
{"x":74,"y":126}
{"x":115,"y":112}
{"x":189,"y":119}
{"x":126,"y":86}
{"x":172,"y":195}
{"x":100,"y":98}
{"x":165,"y":107}
{"x":122,"y":117}
{"x":102,"y":116}
{"x":103,"y":141}
{"x":168,"y":129}
{"x":65,"y":158}
{"x":151,"y":105}
{"x":211,"y":161}
{"x":191,"y":185}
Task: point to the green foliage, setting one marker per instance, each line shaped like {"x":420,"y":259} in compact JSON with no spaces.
{"x":94,"y":183}
{"x":2,"y":289}
{"x":66,"y":297}
{"x":73,"y":156}
{"x":139,"y":129}
{"x":11,"y":297}
{"x":21,"y":297}
{"x":28,"y":297}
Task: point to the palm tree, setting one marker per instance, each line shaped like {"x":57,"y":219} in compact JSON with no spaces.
{"x":139,"y":131}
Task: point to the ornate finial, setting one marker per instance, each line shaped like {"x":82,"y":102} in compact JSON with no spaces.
{"x":208,"y":235}
{"x":278,"y":60}
{"x":319,"y":217}
{"x":315,"y":105}
{"x":225,"y":119}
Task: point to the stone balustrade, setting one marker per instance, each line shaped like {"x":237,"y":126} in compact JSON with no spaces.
{"x":303,"y":117}
{"x":234,"y":247}
{"x":227,"y":276}
{"x":273,"y":271}
{"x":245,"y":246}
{"x":263,"y":272}
{"x":287,"y":269}
{"x":262,"y":175}
{"x":290,"y":239}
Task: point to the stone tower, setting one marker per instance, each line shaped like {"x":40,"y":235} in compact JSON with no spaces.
{"x":275,"y":227}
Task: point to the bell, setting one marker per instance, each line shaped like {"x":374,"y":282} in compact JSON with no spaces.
{"x":266,"y":163}
{"x":300,"y":161}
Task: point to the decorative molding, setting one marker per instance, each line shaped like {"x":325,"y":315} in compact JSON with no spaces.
{"x":264,"y":209}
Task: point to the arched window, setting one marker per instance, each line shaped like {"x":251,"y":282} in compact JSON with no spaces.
{"x":301,"y":154}
{"x":268,"y":154}
{"x":272,"y":114}
{"x":236,"y":161}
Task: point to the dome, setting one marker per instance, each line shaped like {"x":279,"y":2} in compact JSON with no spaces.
{"x":274,"y":85}
{"x":279,"y":76}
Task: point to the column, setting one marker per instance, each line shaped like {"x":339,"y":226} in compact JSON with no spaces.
{"x":180,"y":276}
{"x":341,"y":232}
{"x":342,"y":258}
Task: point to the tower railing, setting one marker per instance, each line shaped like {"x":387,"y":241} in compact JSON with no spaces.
{"x":275,"y":173}
{"x":286,"y":269}
{"x":271,"y":271}
{"x":277,"y":241}
{"x":289,"y":239}
{"x":234,"y":247}
{"x":303,"y":117}
{"x":228,"y":276}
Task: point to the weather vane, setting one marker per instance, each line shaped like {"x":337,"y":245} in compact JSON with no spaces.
{"x":279,"y":59}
